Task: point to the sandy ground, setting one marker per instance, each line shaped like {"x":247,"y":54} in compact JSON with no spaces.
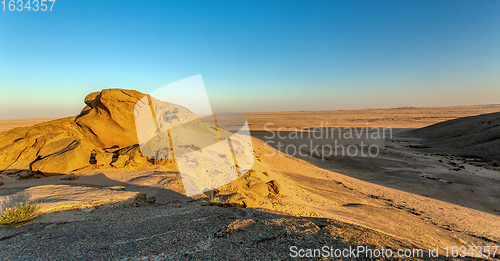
{"x":6,"y":125}
{"x":394,"y":118}
{"x":456,"y":180}
{"x":400,"y":198}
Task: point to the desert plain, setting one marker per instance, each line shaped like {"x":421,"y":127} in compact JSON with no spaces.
{"x":434,"y":183}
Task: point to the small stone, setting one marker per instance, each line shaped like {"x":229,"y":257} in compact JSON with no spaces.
{"x":25,"y":174}
{"x":139,"y":158}
{"x":38,"y":174}
{"x":117,"y":188}
{"x":70,"y":177}
{"x":234,"y":205}
{"x":260,"y":188}
{"x":274,"y":187}
{"x":87,"y":209}
{"x":1,"y":183}
{"x":211,"y":193}
{"x":141,"y":197}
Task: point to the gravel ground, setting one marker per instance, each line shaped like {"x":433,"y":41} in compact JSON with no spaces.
{"x":178,"y":232}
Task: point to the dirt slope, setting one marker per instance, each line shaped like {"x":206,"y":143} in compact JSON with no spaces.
{"x":475,"y":136}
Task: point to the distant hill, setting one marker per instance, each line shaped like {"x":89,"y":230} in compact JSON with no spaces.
{"x":475,"y":136}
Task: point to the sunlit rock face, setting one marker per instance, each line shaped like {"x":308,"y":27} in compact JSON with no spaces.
{"x":53,"y":147}
{"x":128,"y":129}
{"x":108,"y":118}
{"x":64,"y":145}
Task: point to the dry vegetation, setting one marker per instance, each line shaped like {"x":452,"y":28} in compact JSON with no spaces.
{"x":20,"y":212}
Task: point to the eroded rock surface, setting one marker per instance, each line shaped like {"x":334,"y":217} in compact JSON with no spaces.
{"x":103,"y":135}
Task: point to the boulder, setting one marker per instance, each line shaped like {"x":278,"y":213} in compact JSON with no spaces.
{"x":137,"y":157}
{"x":22,"y":146}
{"x":10,"y":153}
{"x":274,"y":187}
{"x":103,"y":158}
{"x":55,"y":145}
{"x":260,"y":188}
{"x":20,"y":154}
{"x":142,"y":198}
{"x":38,"y":174}
{"x":121,"y":162}
{"x":74,"y":157}
{"x":25,"y":174}
{"x":109,"y":119}
{"x":257,"y":185}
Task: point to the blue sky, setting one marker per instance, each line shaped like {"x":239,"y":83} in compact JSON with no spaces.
{"x":253,"y":55}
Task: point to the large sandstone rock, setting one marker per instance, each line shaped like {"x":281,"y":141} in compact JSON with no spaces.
{"x":108,"y":118}
{"x":64,"y":145}
{"x":51,"y":129}
{"x":104,"y":135}
{"x":22,"y":145}
{"x":9,"y":154}
{"x":73,"y":157}
{"x":25,"y":158}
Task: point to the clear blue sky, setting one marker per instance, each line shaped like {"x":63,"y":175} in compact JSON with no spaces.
{"x":253,"y":55}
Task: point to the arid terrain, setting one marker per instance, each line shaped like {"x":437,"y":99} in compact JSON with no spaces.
{"x":114,"y":203}
{"x":405,"y":117}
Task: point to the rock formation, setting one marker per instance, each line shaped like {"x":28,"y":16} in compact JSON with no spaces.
{"x":108,"y":118}
{"x":126,"y":129}
{"x":102,"y":135}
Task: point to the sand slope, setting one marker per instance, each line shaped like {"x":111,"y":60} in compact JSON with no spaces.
{"x":475,"y":136}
